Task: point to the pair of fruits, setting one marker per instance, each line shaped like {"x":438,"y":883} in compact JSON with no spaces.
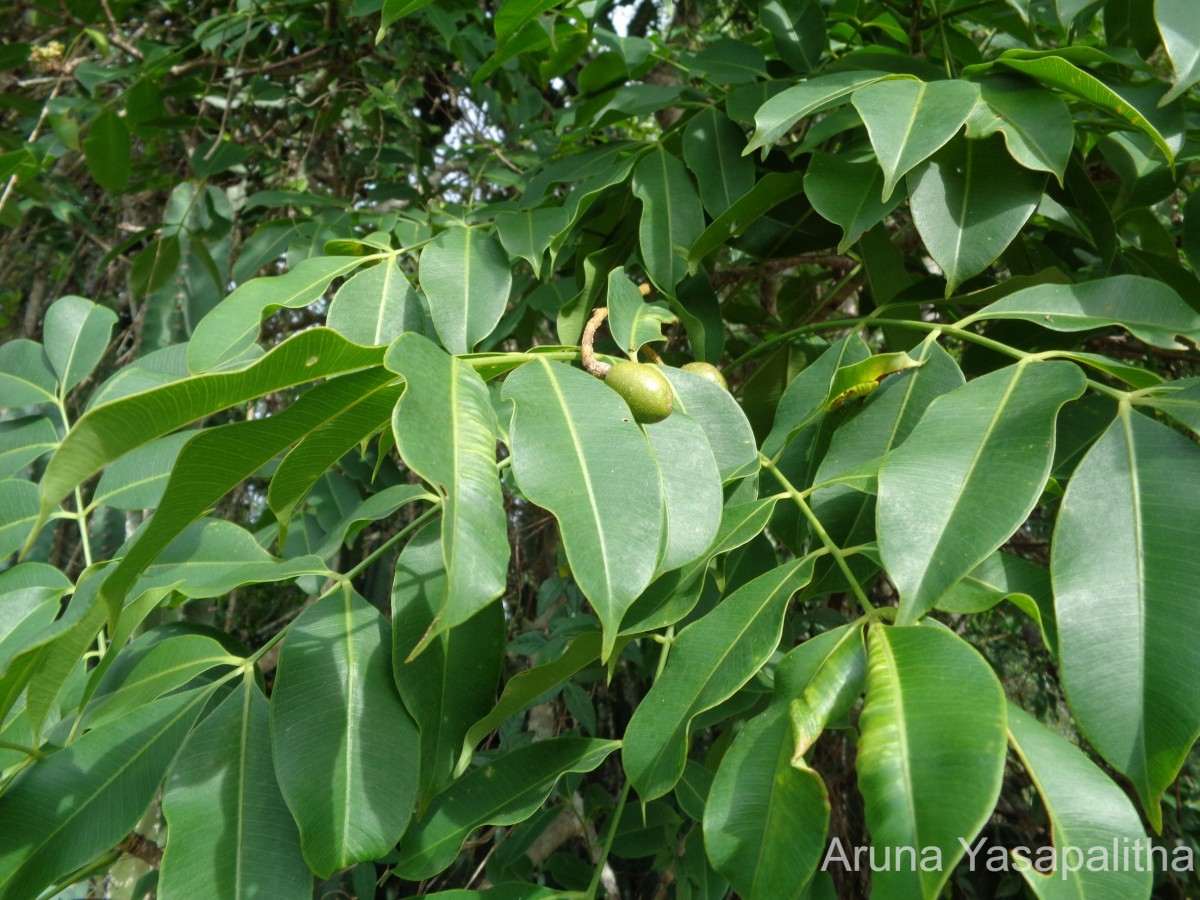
{"x":647,"y":391}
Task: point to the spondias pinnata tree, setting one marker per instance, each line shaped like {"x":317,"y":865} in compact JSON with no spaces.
{"x":642,"y":386}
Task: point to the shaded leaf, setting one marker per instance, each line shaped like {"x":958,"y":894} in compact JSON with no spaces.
{"x":1122,"y":568}
{"x":712,"y":149}
{"x":672,"y":217}
{"x":107,"y":149}
{"x":337,"y":722}
{"x":376,"y":306}
{"x":578,"y":453}
{"x":464,"y":273}
{"x":76,"y":335}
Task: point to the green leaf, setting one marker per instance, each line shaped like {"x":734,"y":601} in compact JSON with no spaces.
{"x":108,"y":431}
{"x":910,"y":120}
{"x":765,"y":821}
{"x":1178,"y":399}
{"x":450,"y":686}
{"x":167,"y":666}
{"x":1036,"y":124}
{"x":76,"y":336}
{"x":777,"y":116}
{"x":968,"y":476}
{"x":19,"y":500}
{"x":445,"y":430}
{"x":578,"y":453}
{"x":363,"y":415}
{"x":464,"y":272}
{"x":708,"y":662}
{"x":632,"y":321}
{"x":337,"y":722}
{"x":26,"y":377}
{"x":691,"y":487}
{"x":107,"y":149}
{"x":712,"y":149}
{"x":71,"y":806}
{"x":218,"y":459}
{"x":528,"y":234}
{"x":1087,"y":811}
{"x":672,"y":217}
{"x":850,"y":379}
{"x":24,"y":440}
{"x":1180,"y":37}
{"x":524,"y":688}
{"x":1003,"y":576}
{"x":394,"y":11}
{"x":770,"y":190}
{"x":233,"y":324}
{"x":229,"y":833}
{"x":798,"y":30}
{"x":212,"y":557}
{"x":845,"y":189}
{"x":1059,"y":73}
{"x":376,"y":306}
{"x":968,"y":202}
{"x":729,"y":434}
{"x":1150,"y":310}
{"x":137,"y":480}
{"x":931,"y":755}
{"x":1122,"y":572}
{"x":504,"y":791}
{"x":378,"y":506}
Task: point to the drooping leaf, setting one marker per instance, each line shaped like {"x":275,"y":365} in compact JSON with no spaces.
{"x":450,"y":686}
{"x":464,"y":273}
{"x":1036,"y":124}
{"x":931,"y":754}
{"x":1122,"y":569}
{"x":504,"y":791}
{"x":729,"y":434}
{"x":1003,"y":576}
{"x":229,"y":833}
{"x":233,"y":324}
{"x":376,"y":306}
{"x":709,"y":660}
{"x":1178,"y":27}
{"x":137,"y":480}
{"x":712,"y":149}
{"x":968,"y":201}
{"x":968,"y":476}
{"x":24,"y":440}
{"x":768,"y":192}
{"x":98,"y":788}
{"x":1087,"y":812}
{"x":445,"y":429}
{"x":76,"y":335}
{"x":845,"y":189}
{"x":568,"y":432}
{"x":19,"y":500}
{"x":107,"y":148}
{"x":798,"y":30}
{"x":908,"y":121}
{"x":337,"y":722}
{"x":631,"y":320}
{"x":691,"y":487}
{"x":1150,"y":310}
{"x":529,"y":234}
{"x":672,"y":217}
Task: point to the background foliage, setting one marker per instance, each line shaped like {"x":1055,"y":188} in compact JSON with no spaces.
{"x":324,"y":558}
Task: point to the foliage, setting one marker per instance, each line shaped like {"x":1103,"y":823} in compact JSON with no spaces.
{"x":301,"y":472}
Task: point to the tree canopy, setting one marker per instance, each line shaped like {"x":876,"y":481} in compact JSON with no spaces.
{"x":336,"y":559}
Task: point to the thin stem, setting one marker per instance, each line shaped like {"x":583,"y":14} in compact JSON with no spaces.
{"x":608,"y":841}
{"x":342,"y":580}
{"x":667,"y":640}
{"x":834,"y":550}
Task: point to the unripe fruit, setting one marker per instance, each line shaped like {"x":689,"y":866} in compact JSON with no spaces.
{"x":709,"y":372}
{"x":644,"y":388}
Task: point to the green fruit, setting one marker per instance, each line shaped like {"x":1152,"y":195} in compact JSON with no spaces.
{"x":644,"y":388}
{"x":708,"y":372}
